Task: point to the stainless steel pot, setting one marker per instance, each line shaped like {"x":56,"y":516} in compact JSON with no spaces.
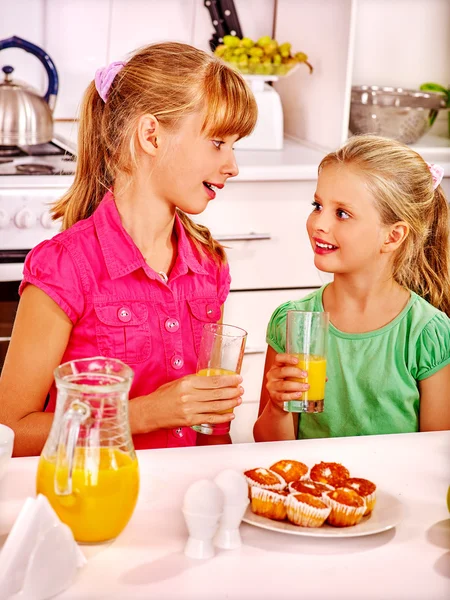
{"x":26,"y":116}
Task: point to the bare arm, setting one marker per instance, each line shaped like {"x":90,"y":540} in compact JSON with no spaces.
{"x":273,"y":422}
{"x":40,"y":336}
{"x":435,"y":401}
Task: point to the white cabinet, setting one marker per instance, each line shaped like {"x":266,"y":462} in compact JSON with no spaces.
{"x":263,"y":226}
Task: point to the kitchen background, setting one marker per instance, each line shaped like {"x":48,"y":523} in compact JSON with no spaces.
{"x":261,"y":214}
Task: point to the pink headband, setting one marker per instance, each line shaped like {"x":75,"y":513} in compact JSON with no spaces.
{"x":437,"y":173}
{"x":104,"y":78}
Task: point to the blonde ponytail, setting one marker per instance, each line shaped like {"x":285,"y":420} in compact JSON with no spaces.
{"x":428,"y":270}
{"x":92,"y":178}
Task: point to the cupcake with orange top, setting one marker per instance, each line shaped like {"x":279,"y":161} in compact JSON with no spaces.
{"x":366,"y":489}
{"x":330,"y":473}
{"x":347,"y":507}
{"x":306,"y":510}
{"x":269,"y":503}
{"x":309,"y":487}
{"x":290,"y":470}
{"x":265,"y":479}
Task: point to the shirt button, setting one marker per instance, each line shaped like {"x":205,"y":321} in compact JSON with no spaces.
{"x":177,"y":362}
{"x":172,"y":325}
{"x":178,"y":433}
{"x":209,"y":310}
{"x":124,"y":314}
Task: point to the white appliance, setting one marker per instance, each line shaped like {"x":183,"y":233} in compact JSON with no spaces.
{"x":31,"y":179}
{"x":269,"y":130}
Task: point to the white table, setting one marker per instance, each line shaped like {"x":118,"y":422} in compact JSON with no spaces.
{"x":411,"y":562}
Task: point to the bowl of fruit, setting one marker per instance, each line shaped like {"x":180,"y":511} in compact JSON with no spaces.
{"x":264,"y":57}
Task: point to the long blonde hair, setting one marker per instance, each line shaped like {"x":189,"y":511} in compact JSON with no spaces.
{"x":169,"y":80}
{"x":401,"y":183}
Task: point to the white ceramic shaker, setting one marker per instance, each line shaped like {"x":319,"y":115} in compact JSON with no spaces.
{"x":235,"y":491}
{"x":202,"y":509}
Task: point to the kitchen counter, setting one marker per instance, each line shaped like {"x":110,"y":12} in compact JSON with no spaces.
{"x":409,"y":562}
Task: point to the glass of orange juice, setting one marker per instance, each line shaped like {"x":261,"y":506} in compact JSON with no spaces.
{"x":221,"y":353}
{"x":307,"y":337}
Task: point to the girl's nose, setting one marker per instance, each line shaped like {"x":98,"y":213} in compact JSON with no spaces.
{"x":230,"y":168}
{"x":322,"y":221}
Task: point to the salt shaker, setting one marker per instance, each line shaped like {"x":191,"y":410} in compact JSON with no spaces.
{"x":235,"y":491}
{"x":202,"y":509}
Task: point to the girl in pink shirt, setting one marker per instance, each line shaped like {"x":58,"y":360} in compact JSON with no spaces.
{"x":131,"y":276}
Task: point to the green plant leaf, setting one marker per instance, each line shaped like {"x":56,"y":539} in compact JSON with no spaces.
{"x":435,"y":87}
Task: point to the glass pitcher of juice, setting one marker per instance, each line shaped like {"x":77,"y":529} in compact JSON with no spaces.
{"x":88,"y":468}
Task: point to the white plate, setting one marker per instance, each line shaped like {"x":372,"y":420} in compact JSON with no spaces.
{"x":388,"y":513}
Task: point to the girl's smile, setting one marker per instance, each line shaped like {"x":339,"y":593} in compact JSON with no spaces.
{"x":323,"y":247}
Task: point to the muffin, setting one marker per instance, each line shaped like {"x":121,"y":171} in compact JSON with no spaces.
{"x":265,"y":479}
{"x":290,"y":470}
{"x":268,"y":503}
{"x":331,"y":473}
{"x":309,"y":487}
{"x":306,"y":510}
{"x":347,"y":507}
{"x":366,"y":489}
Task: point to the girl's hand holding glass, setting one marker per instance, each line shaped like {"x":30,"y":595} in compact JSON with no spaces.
{"x":194,"y":400}
{"x":279,"y":384}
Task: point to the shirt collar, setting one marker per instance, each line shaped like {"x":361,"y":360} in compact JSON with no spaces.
{"x":121,"y":254}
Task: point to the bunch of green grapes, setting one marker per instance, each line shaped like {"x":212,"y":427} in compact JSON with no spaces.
{"x":264,"y":57}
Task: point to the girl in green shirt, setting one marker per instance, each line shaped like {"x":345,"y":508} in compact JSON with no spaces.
{"x":380,"y":224}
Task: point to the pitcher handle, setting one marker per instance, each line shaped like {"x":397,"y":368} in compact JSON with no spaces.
{"x":77,"y":413}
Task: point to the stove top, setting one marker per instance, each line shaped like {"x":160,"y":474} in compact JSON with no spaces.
{"x":39,"y":159}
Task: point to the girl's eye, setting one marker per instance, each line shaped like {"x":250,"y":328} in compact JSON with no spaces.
{"x":217,"y":143}
{"x":316,"y":206}
{"x":342,"y":214}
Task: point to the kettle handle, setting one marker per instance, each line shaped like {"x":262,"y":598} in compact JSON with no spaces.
{"x":52,"y":90}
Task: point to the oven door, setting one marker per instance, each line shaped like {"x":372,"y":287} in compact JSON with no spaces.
{"x":9,"y":300}
{"x":11,"y":271}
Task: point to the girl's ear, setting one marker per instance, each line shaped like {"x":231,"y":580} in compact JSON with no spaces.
{"x":147,"y":133}
{"x":395,"y":236}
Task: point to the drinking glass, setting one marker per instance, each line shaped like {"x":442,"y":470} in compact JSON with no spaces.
{"x":307,"y":337}
{"x":221,"y":353}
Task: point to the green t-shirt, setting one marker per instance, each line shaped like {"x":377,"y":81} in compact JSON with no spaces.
{"x":372,"y":377}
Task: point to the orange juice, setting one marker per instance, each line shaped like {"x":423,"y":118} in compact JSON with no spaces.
{"x":104,"y":493}
{"x":316,"y":367}
{"x":216,"y":371}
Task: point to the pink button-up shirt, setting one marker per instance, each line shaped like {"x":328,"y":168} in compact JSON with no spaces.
{"x":121,"y":308}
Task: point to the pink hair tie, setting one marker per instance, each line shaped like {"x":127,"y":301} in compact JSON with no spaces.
{"x":437,"y":173}
{"x":104,"y":78}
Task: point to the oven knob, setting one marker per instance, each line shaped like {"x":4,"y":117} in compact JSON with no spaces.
{"x":24,"y":219}
{"x":4,"y":219}
{"x":47,"y":222}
